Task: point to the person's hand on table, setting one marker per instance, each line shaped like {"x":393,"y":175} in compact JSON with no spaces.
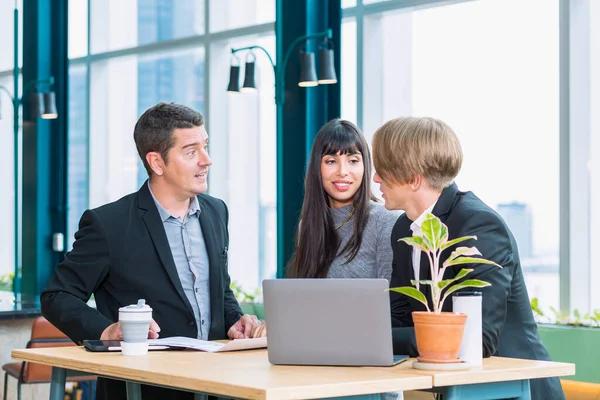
{"x":260,"y":331}
{"x":244,"y":328}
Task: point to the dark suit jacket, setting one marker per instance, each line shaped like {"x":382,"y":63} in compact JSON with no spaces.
{"x":509,"y":329}
{"x":121,"y":254}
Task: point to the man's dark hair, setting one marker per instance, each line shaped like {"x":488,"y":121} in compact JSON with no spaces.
{"x":154,"y":130}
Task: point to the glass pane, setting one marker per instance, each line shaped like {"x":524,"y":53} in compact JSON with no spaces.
{"x":123,"y":89}
{"x":7,"y":27}
{"x":373,"y":1}
{"x":120,"y":24}
{"x":7,"y":200}
{"x":348,"y":3}
{"x":78,"y":194}
{"x":230,"y":14}
{"x":593,"y":157}
{"x":244,"y":161}
{"x":495,"y":81}
{"x":78,"y":28}
{"x":348,"y":65}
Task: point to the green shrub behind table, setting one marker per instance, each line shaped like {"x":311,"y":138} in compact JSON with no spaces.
{"x":574,"y":344}
{"x":257,"y":309}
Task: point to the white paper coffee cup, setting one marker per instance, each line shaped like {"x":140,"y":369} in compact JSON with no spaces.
{"x":135,"y":322}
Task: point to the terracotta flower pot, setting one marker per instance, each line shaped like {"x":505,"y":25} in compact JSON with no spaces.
{"x":438,"y":336}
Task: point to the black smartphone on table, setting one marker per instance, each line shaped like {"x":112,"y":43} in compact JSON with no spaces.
{"x":115,"y":345}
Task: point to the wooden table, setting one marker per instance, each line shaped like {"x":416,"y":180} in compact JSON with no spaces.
{"x":249,"y":375}
{"x":246,"y":374}
{"x":497,"y":378}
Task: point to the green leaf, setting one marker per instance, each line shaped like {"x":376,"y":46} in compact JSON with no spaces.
{"x":469,"y":260}
{"x":576,"y":314}
{"x":465,"y":284}
{"x":463,"y":251}
{"x":456,"y":241}
{"x":415,"y":241}
{"x":433,"y":229}
{"x":534,"y":302}
{"x":411,"y":292}
{"x":424,"y":282}
{"x":461,"y":274}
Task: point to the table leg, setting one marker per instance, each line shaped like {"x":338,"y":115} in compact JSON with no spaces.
{"x":57,"y":383}
{"x":519,"y":390}
{"x":134,"y":391}
{"x":526,"y":392}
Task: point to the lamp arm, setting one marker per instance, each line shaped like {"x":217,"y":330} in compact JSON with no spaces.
{"x":280,"y":83}
{"x":233,"y":51}
{"x":29,"y":85}
{"x":8,"y":93}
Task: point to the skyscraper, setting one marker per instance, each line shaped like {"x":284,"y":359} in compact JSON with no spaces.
{"x":519,"y":219}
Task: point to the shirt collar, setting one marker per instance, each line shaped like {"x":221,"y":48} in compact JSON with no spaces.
{"x":165,"y":215}
{"x":416,"y":225}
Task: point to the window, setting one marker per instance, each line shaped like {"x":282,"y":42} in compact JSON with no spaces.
{"x":123,"y":89}
{"x":348,"y":73}
{"x":7,"y":27}
{"x":230,"y":14}
{"x":78,"y":167}
{"x":78,"y":28}
{"x":243,"y":138}
{"x":7,"y":201}
{"x":126,"y":77}
{"x":495,"y":81}
{"x":120,"y":24}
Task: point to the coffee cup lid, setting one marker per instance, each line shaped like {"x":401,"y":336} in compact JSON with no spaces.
{"x":141,"y":306}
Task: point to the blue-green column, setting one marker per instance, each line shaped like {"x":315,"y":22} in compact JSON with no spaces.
{"x":45,"y":45}
{"x":305,"y":110}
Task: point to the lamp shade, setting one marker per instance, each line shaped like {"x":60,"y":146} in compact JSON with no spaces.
{"x":49,"y":111}
{"x":37,"y":105}
{"x":249,"y":82}
{"x":326,"y":67}
{"x":234,"y":79}
{"x":308,"y":76}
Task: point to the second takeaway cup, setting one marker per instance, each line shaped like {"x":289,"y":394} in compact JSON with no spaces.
{"x":135,"y":322}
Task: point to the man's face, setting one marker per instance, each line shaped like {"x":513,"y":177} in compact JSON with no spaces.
{"x":186,"y":171}
{"x":396,"y":196}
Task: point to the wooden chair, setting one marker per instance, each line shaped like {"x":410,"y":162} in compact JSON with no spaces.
{"x":580,"y":390}
{"x":43,"y":334}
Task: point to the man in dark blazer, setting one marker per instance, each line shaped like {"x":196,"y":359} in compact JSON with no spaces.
{"x":416,"y":162}
{"x":166,"y":243}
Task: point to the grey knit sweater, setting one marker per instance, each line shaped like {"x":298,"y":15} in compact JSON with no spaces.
{"x":374,"y":258}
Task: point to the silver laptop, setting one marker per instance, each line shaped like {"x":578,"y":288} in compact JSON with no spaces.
{"x":329,"y":322}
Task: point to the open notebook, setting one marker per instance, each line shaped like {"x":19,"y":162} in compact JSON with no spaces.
{"x":212,"y":347}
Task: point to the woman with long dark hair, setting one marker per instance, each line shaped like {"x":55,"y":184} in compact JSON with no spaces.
{"x":343,"y":232}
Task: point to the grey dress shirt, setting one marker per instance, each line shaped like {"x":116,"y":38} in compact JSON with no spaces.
{"x":191,"y":259}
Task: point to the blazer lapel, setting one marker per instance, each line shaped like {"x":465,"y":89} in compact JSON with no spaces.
{"x":405,"y":254}
{"x":157,"y":232}
{"x":212,"y":248}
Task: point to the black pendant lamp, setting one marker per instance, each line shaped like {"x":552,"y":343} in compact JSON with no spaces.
{"x":249,"y":81}
{"x":308,"y":75}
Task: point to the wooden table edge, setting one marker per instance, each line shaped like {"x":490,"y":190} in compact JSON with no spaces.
{"x":129,"y":374}
{"x":561,"y":369}
{"x":415,"y":382}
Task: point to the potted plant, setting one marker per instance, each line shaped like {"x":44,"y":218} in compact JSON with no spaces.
{"x":433,"y":324}
{"x":573,"y":338}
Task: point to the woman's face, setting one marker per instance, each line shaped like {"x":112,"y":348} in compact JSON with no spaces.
{"x":342,"y":176}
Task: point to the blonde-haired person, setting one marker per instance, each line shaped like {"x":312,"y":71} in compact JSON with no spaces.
{"x":416,"y":161}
